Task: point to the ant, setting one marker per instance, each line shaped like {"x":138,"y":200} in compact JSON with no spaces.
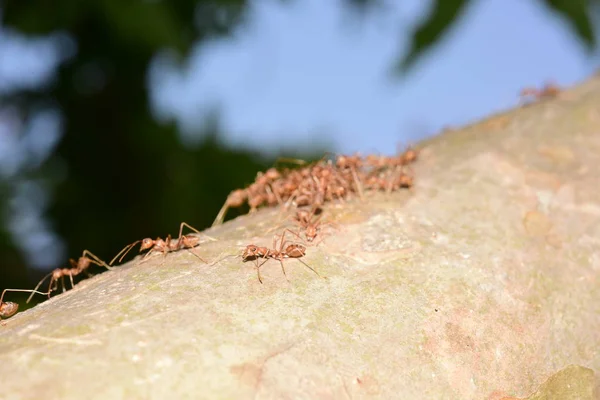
{"x":311,"y":225}
{"x":548,"y":91}
{"x":77,"y":267}
{"x":234,"y":199}
{"x":253,"y":253}
{"x":256,"y":194}
{"x":9,"y":308}
{"x":165,"y":245}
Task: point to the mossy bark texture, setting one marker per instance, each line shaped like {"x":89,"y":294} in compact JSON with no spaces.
{"x":482,"y":282}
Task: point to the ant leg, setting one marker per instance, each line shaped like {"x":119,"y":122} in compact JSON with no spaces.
{"x":71,"y":279}
{"x":283,"y":269}
{"x":18,"y":290}
{"x":95,"y":259}
{"x":223,"y":258}
{"x":282,"y":243}
{"x":258,"y":268}
{"x":290,"y":201}
{"x":62,"y":280}
{"x":309,"y":267}
{"x":52,"y":286}
{"x":293,"y":233}
{"x":38,"y":285}
{"x":195,"y":230}
{"x":165,"y":253}
{"x":221,"y":215}
{"x":200,"y":258}
{"x":146,"y":256}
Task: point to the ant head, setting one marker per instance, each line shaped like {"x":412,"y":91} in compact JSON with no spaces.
{"x":8,"y":309}
{"x":146,"y":244}
{"x":249,"y":252}
{"x":311,"y":233}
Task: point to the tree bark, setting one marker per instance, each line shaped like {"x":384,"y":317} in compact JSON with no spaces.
{"x":483,"y":282}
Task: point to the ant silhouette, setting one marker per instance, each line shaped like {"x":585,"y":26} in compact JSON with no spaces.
{"x":77,"y":267}
{"x":167,"y":245}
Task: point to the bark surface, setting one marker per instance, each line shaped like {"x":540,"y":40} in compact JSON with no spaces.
{"x":483,"y":282}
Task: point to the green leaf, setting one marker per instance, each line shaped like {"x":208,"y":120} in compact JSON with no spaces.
{"x":443,"y":13}
{"x":578,"y":15}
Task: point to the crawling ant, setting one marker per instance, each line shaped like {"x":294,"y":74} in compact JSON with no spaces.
{"x":304,"y":218}
{"x":9,"y":308}
{"x":548,"y":91}
{"x":165,"y":245}
{"x":77,"y":267}
{"x":258,"y":193}
{"x":253,"y":253}
{"x":234,"y":199}
{"x":311,"y":225}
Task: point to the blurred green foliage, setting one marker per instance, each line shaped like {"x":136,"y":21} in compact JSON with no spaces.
{"x":117,"y":174}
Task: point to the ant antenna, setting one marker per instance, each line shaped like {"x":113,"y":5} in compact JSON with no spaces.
{"x":35,"y":290}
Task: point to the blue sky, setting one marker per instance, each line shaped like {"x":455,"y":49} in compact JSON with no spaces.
{"x":301,"y":71}
{"x":306,"y":74}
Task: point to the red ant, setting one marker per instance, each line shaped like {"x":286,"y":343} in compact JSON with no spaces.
{"x":305,"y":219}
{"x":77,"y":267}
{"x":253,"y":253}
{"x":8,"y":308}
{"x":548,"y":91}
{"x":256,"y":194}
{"x":165,"y":245}
{"x":234,"y":199}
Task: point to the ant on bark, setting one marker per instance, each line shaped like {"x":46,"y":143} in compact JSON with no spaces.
{"x":548,"y":91}
{"x":311,"y":225}
{"x":256,"y":194}
{"x":253,"y":253}
{"x":167,"y":245}
{"x":9,"y":308}
{"x":77,"y":267}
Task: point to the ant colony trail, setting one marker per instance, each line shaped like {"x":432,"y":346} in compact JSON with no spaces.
{"x":307,"y":189}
